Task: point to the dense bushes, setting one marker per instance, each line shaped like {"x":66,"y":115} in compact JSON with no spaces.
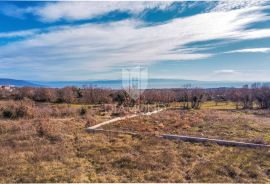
{"x":13,"y":110}
{"x":246,"y":98}
{"x":28,"y":109}
{"x":60,"y":95}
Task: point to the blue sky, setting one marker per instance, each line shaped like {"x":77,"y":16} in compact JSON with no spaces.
{"x":199,"y":40}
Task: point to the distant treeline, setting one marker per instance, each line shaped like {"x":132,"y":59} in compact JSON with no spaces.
{"x":255,"y":96}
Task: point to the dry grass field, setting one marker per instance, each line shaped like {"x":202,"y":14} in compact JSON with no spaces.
{"x":230,"y":124}
{"x":48,"y":143}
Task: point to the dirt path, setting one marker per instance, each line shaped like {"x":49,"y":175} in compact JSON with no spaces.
{"x":123,"y":118}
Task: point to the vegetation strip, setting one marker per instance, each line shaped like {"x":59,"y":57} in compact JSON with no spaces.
{"x":187,"y":138}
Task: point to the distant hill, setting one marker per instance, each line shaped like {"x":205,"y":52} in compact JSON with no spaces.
{"x":151,"y":83}
{"x":117,"y":84}
{"x":18,"y":83}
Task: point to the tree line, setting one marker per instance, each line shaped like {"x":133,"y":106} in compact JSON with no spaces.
{"x":255,"y":96}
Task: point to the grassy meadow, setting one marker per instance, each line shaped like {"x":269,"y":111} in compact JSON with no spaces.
{"x":48,"y":143}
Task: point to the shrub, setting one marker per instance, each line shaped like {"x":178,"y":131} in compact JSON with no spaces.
{"x":83,"y":110}
{"x":45,"y":95}
{"x":8,"y":113}
{"x":21,"y":109}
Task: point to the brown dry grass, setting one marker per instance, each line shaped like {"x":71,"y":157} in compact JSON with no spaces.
{"x":61,"y":151}
{"x":27,"y":109}
{"x":57,"y":149}
{"x":231,"y":125}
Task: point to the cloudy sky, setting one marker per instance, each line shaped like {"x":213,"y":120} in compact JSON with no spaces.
{"x":214,"y":40}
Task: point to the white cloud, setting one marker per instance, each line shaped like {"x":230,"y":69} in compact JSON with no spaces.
{"x":14,"y":11}
{"x":228,"y":5}
{"x":78,"y":52}
{"x":255,"y":75}
{"x":251,"y":50}
{"x":71,"y":11}
{"x":225,"y":72}
{"x":19,"y":33}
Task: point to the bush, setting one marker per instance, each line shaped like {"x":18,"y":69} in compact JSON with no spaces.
{"x":8,"y":113}
{"x":83,"y":110}
{"x":21,"y":109}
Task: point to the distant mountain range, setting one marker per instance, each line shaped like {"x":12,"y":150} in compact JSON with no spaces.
{"x":18,"y":83}
{"x":117,"y":84}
